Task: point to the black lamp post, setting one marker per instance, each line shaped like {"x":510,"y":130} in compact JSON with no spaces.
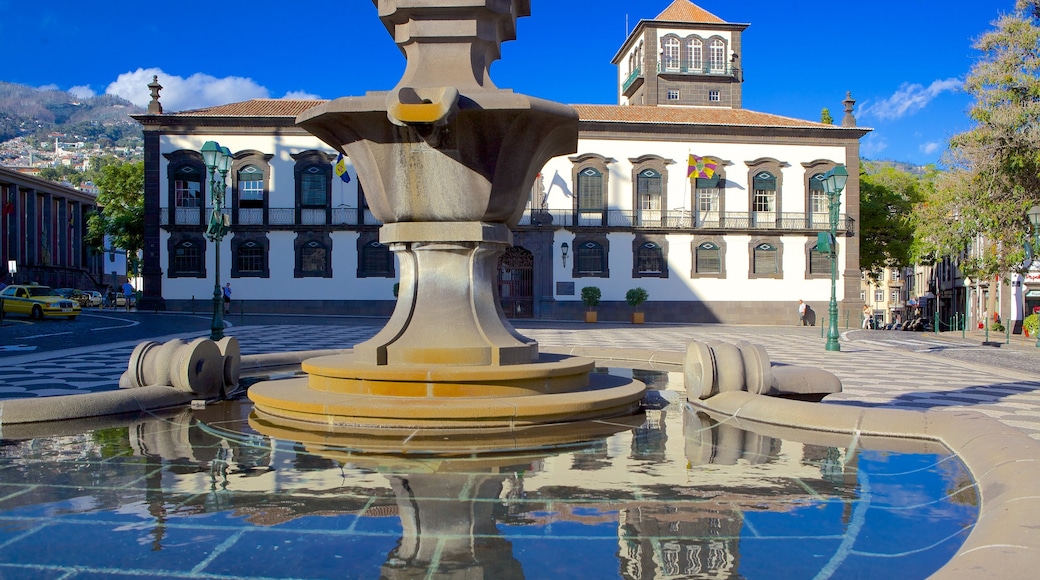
{"x":833,"y":183}
{"x":1034,"y":218}
{"x":217,"y":160}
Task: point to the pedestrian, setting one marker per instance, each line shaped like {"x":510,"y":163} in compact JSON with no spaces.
{"x":868,"y":316}
{"x":801,"y":312}
{"x":227,"y":298}
{"x":128,"y":292}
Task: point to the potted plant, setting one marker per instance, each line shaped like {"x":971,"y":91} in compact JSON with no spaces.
{"x":635,"y":297}
{"x":1031,"y":324}
{"x":590,"y":296}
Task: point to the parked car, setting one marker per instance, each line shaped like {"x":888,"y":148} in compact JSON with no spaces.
{"x":90,"y":298}
{"x":38,"y":302}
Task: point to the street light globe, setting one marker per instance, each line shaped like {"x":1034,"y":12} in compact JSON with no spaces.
{"x":1034,"y":216}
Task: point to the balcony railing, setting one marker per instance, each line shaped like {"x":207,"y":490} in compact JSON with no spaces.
{"x":631,"y":79}
{"x":678,"y":220}
{"x":684,"y":220}
{"x":728,"y":71}
{"x":339,"y":216}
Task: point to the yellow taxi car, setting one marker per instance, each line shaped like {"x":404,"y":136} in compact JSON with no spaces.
{"x":38,"y":302}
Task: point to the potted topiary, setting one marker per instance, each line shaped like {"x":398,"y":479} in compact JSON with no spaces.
{"x":635,"y":297}
{"x":590,"y":296}
{"x":1031,"y":324}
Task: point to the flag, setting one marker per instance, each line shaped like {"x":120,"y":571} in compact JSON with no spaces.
{"x":701,"y":167}
{"x":340,"y":168}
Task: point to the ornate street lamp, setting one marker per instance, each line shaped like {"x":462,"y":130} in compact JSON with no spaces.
{"x":833,"y":183}
{"x":217,"y":160}
{"x":1034,"y":218}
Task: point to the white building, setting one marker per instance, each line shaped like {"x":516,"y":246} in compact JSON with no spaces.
{"x":736,"y":246}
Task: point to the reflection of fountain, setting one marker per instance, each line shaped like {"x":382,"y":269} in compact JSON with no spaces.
{"x":448,"y":161}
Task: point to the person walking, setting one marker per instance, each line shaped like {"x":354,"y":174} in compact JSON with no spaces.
{"x":128,"y":292}
{"x":227,"y":298}
{"x":868,"y":317}
{"x":801,"y":312}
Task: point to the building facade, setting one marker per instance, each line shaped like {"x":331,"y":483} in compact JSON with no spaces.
{"x":734,"y":243}
{"x":42,"y":228}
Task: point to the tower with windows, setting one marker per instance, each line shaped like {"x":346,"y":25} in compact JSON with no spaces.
{"x":685,"y":56}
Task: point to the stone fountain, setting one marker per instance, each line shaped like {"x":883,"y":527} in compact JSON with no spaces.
{"x":448,"y":161}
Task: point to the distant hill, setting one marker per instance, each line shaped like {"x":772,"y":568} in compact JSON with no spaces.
{"x":26,"y":111}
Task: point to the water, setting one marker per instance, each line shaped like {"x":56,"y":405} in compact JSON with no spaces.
{"x":670,"y":494}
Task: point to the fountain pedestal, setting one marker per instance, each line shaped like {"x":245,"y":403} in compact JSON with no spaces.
{"x":448,"y":161}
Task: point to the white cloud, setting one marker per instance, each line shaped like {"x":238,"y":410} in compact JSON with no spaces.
{"x":930,"y":148}
{"x":909,"y":99}
{"x":301,"y":95}
{"x":82,"y":91}
{"x":181,"y":94}
{"x":50,"y":87}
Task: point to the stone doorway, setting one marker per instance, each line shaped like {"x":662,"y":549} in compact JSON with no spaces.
{"x":516,"y":283}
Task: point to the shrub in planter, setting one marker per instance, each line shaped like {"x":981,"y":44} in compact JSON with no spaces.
{"x":590,"y":296}
{"x":635,"y":297}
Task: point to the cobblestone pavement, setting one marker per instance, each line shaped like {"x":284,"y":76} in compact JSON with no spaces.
{"x":877,"y":368}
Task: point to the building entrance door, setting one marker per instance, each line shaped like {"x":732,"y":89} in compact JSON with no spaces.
{"x":516,"y":282}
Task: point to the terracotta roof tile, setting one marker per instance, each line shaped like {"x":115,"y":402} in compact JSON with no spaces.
{"x":686,"y":11}
{"x":591,"y":113}
{"x":688,"y":116}
{"x":255,"y":108}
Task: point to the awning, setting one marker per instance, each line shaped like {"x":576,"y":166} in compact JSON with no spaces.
{"x":1033,"y":294}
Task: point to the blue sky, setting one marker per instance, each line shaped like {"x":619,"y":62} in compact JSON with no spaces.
{"x":904,"y":61}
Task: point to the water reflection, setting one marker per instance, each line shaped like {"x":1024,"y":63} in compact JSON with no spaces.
{"x":674,"y":493}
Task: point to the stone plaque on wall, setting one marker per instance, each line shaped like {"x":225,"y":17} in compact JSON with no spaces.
{"x":565,"y":288}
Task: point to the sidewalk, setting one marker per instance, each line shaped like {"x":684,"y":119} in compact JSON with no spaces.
{"x":878,"y":368}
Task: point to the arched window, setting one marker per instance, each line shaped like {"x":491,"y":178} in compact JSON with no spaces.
{"x":250,"y":187}
{"x":649,"y":259}
{"x":590,"y":191}
{"x":590,"y":259}
{"x":695,"y":54}
{"x":819,"y":262}
{"x":763,"y":204}
{"x":186,"y":259}
{"x":314,"y":186}
{"x":766,"y":260}
{"x":819,"y":215}
{"x":187,"y":187}
{"x":249,"y":259}
{"x":376,"y":261}
{"x":708,"y":259}
{"x":648,"y":196}
{"x":671,"y":53}
{"x":718,"y":56}
{"x":313,"y":258}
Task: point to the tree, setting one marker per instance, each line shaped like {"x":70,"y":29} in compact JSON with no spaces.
{"x":887,"y":198}
{"x":825,"y":117}
{"x":121,"y":217}
{"x":994,"y":168}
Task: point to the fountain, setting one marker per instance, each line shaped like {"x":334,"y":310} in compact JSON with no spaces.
{"x":448,"y":160}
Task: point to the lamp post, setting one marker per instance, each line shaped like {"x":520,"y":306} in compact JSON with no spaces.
{"x":1034,"y":219}
{"x":833,"y":183}
{"x":217,"y":160}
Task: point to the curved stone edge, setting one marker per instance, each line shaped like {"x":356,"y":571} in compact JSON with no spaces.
{"x":1004,"y":462}
{"x":66,"y":407}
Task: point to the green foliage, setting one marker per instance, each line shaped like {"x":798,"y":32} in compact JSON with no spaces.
{"x":997,"y":327}
{"x":1031,"y":324}
{"x":590,"y":296}
{"x":121,"y":198}
{"x":825,"y":117}
{"x":113,"y":442}
{"x":887,"y":198}
{"x":636,"y":296}
{"x":994,"y":175}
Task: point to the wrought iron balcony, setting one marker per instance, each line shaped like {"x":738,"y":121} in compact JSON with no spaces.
{"x":680,"y":220}
{"x":705,"y":70}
